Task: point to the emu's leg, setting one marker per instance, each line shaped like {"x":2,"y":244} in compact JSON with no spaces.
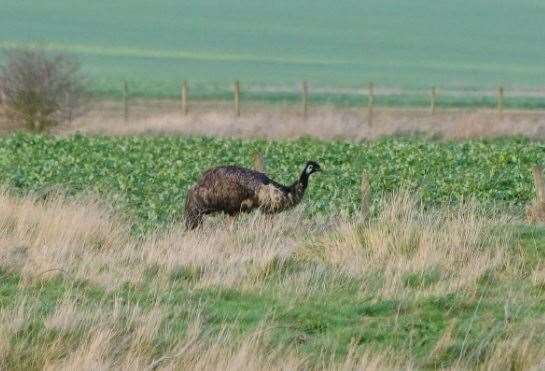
{"x":193,"y":217}
{"x":194,"y":211}
{"x":231,"y":221}
{"x":193,"y":220}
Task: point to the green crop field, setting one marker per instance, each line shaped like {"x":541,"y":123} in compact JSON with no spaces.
{"x":149,"y":176}
{"x":412,"y":45}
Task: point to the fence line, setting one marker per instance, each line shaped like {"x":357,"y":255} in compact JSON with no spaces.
{"x":305,"y":99}
{"x":500,"y":100}
{"x":432,"y":100}
{"x":68,"y":103}
{"x":125,"y":101}
{"x":372,"y":93}
{"x":237,"y":98}
{"x":183,"y":97}
{"x":537,"y":172}
{"x":370,"y":100}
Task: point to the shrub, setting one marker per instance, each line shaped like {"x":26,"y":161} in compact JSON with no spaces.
{"x":40,"y":90}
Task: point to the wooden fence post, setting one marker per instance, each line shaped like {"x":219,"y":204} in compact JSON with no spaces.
{"x":68,"y":104}
{"x":125,"y":101}
{"x":499,"y":101}
{"x":433,"y":98}
{"x":183,"y":96}
{"x":539,"y":184}
{"x":535,"y":212}
{"x":237,"y":98}
{"x":370,"y":99}
{"x":305,"y":99}
{"x":365,"y":196}
{"x":2,"y":102}
{"x":259,"y":162}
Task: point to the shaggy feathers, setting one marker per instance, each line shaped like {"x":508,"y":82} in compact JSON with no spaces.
{"x":234,"y":189}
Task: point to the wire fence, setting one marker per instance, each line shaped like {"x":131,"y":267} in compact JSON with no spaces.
{"x":305,"y":96}
{"x":369,"y":97}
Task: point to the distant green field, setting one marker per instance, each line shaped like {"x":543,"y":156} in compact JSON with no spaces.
{"x":411,"y":45}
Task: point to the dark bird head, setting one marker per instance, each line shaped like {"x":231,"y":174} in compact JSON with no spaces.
{"x":311,"y":167}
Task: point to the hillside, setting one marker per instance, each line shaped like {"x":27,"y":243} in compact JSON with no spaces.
{"x":402,"y":44}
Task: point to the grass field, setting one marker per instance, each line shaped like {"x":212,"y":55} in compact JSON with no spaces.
{"x":410,"y":45}
{"x":411,"y":287}
{"x":97,"y":270}
{"x":432,"y":262}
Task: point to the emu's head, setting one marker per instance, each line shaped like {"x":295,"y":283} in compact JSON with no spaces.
{"x":312,"y":167}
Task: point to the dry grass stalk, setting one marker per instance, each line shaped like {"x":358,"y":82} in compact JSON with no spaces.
{"x":259,"y":162}
{"x":535,"y":212}
{"x":365,"y":191}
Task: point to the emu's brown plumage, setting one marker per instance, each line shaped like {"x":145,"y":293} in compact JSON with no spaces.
{"x":234,"y":189}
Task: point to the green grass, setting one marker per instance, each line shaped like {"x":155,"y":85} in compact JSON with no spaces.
{"x":148,"y":176}
{"x":330,"y":321}
{"x":413,"y":45}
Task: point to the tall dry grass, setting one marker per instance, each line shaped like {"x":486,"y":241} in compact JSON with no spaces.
{"x":406,"y":250}
{"x":123,"y":338}
{"x":286,"y":121}
{"x":440,"y":250}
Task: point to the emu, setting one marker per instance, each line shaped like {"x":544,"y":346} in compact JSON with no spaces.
{"x":234,"y":189}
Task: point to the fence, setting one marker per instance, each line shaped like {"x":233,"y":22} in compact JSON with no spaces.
{"x":370,"y":97}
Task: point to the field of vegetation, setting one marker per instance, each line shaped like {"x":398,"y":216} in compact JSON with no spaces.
{"x":447,"y":276}
{"x":148,"y":176}
{"x":407,"y":252}
{"x":413,"y":45}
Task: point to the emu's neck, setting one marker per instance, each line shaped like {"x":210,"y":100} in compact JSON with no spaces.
{"x":303,"y":179}
{"x":297,"y":189}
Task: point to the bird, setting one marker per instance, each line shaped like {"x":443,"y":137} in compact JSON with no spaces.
{"x":233,"y":189}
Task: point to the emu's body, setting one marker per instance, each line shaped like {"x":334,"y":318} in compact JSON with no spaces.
{"x":234,"y":189}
